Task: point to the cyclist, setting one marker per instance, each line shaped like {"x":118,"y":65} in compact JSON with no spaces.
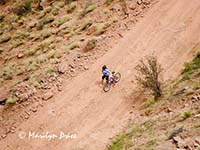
{"x":105,"y":73}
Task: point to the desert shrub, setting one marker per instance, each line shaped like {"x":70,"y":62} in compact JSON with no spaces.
{"x":51,"y":54}
{"x":85,"y":25}
{"x":108,"y":2}
{"x":34,"y":80}
{"x":46,"y":33}
{"x":23,"y":7}
{"x":33,"y":66}
{"x":91,"y":44}
{"x":42,"y":14}
{"x":101,"y":28}
{"x":62,"y":21}
{"x":86,"y":10}
{"x":48,"y":9}
{"x":186,"y":115}
{"x":32,"y":51}
{"x":73,"y":45}
{"x":17,"y":43}
{"x":147,"y":77}
{"x":46,"y":43}
{"x":71,"y":7}
{"x":34,"y":37}
{"x":8,"y":72}
{"x":149,"y":102}
{"x":61,"y":4}
{"x":5,"y":38}
{"x":59,"y":53}
{"x":41,"y":58}
{"x":11,"y":100}
{"x":55,"y":11}
{"x":44,"y":21}
{"x":21,"y":69}
{"x":20,"y":35}
{"x":50,"y":70}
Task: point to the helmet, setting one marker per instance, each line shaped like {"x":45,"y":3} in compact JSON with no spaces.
{"x":104,"y":67}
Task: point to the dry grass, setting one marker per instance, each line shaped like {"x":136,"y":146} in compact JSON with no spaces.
{"x":63,"y":20}
{"x":89,"y":8}
{"x":73,"y":45}
{"x":71,"y":7}
{"x":8,"y":72}
{"x":11,"y":100}
{"x":101,"y":28}
{"x":85,"y":25}
{"x":5,"y":38}
{"x":34,"y":80}
{"x":17,"y":43}
{"x":44,"y":21}
{"x":55,"y":11}
{"x":46,"y":33}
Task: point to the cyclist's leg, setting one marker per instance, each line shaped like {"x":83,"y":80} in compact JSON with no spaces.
{"x":103,"y":77}
{"x":107,"y":79}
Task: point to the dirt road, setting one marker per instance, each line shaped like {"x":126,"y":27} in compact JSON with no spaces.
{"x":171,"y":29}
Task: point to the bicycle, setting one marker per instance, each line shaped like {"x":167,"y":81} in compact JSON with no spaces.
{"x":115,"y":78}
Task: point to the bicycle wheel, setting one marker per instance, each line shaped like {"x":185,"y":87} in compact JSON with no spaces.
{"x":106,"y":87}
{"x":117,"y":77}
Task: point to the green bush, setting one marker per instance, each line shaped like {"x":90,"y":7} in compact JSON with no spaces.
{"x":186,"y":115}
{"x":189,"y":68}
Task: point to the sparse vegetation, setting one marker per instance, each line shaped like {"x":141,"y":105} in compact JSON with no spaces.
{"x":108,"y":2}
{"x":190,"y":67}
{"x":186,"y":115}
{"x":85,"y":25}
{"x":62,"y":21}
{"x":150,"y":102}
{"x":23,"y":7}
{"x":46,"y":33}
{"x":8,"y":72}
{"x":55,"y":11}
{"x":11,"y":100}
{"x":50,"y":70}
{"x":73,"y":45}
{"x":148,"y":75}
{"x":71,"y":7}
{"x":44,"y":21}
{"x":86,"y":10}
{"x":101,"y":28}
{"x":5,"y":38}
{"x":123,"y":141}
{"x":34,"y":80}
